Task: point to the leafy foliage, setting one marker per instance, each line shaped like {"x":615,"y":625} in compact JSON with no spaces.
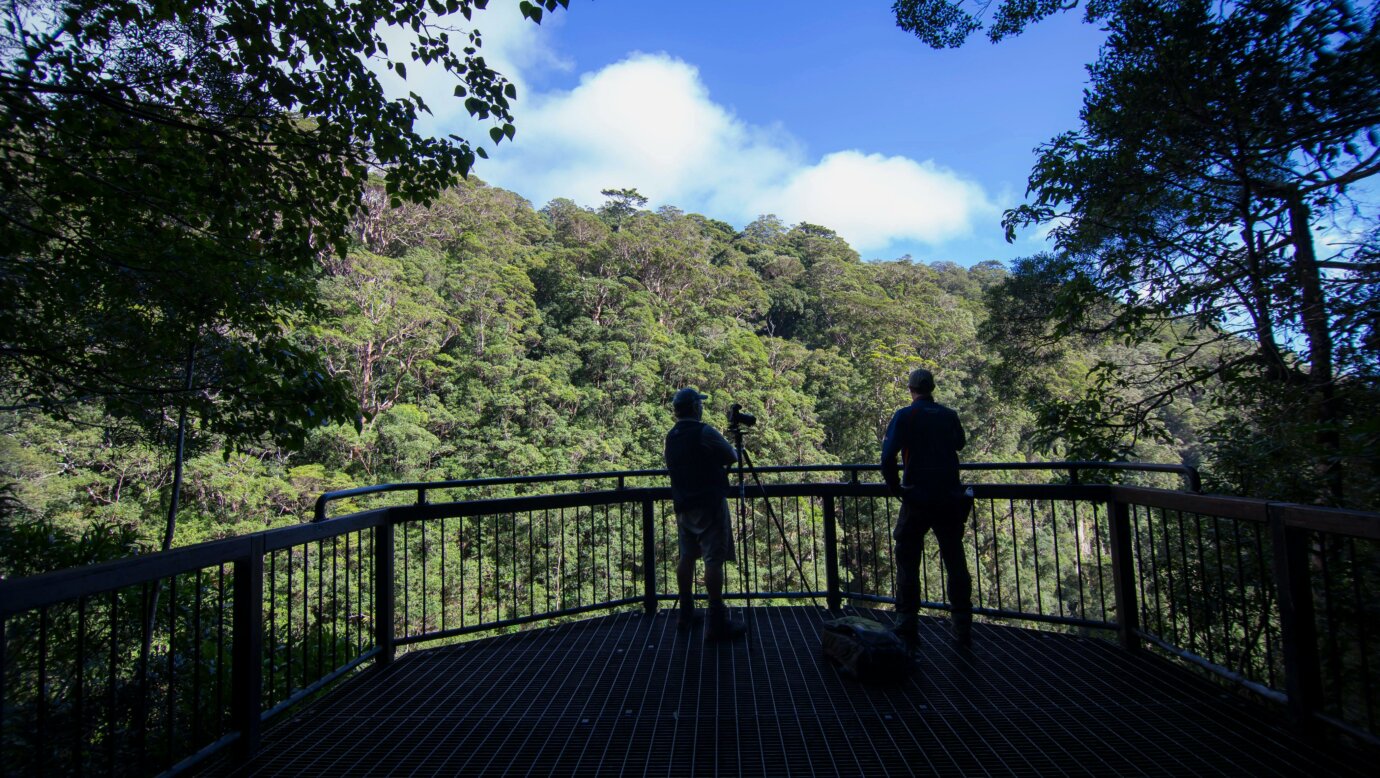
{"x":948,"y":23}
{"x":1216,"y":140}
{"x":173,"y":173}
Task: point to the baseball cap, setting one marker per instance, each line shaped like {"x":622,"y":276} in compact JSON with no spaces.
{"x":921,"y":380}
{"x":686,"y":398}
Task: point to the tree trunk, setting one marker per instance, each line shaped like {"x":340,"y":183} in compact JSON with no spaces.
{"x":1321,"y":387}
{"x":179,"y":453}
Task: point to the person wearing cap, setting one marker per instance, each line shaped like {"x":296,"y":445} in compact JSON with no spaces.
{"x":698,"y":459}
{"x":927,"y":437}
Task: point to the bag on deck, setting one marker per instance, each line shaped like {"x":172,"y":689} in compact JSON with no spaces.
{"x":866,"y":650}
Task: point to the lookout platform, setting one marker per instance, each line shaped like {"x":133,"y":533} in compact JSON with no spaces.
{"x":627,"y":694}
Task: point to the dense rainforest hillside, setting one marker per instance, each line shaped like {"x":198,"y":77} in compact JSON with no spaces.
{"x":483,"y":338}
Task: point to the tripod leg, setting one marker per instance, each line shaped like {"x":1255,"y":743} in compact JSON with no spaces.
{"x":747,"y":460}
{"x":744,"y":559}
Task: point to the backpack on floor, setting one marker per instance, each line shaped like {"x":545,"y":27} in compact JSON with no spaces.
{"x":866,"y":650}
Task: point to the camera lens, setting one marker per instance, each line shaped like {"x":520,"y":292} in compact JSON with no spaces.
{"x":737,"y":418}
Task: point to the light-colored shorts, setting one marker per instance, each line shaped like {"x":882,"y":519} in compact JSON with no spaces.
{"x":706,"y":533}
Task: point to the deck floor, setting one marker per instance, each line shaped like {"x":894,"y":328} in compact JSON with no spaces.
{"x":628,"y":695}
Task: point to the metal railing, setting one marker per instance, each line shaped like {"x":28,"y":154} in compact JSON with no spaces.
{"x":158,"y":661}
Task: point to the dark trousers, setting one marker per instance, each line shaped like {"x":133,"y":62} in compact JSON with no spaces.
{"x":947,"y":522}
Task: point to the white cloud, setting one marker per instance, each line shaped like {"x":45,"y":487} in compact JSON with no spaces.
{"x":645,"y":122}
{"x":873,"y":200}
{"x":649,"y":122}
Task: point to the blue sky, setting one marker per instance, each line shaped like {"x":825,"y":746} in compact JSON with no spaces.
{"x":813,"y":111}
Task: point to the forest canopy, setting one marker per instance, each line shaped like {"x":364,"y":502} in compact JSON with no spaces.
{"x":480,"y":336}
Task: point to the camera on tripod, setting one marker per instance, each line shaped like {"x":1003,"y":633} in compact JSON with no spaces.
{"x":738,"y":419}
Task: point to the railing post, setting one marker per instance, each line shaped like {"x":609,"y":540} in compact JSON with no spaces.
{"x":384,"y":595}
{"x":831,"y":554}
{"x":648,"y":557}
{"x":1124,"y":575}
{"x":246,"y":650}
{"x":1298,"y":626}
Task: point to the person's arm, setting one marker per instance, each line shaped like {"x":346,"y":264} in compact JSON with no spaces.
{"x":960,"y":437}
{"x":718,"y":449}
{"x":891,"y":448}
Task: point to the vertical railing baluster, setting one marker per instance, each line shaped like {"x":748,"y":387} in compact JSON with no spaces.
{"x":1078,"y":560}
{"x":272,"y":623}
{"x":335,"y":600}
{"x":1155,"y":574}
{"x":1058,"y":565}
{"x":498,"y":587}
{"x":78,"y":690}
{"x":444,"y":603}
{"x":196,"y":661}
{"x":1015,"y":553}
{"x":531,"y":564}
{"x":648,"y":557}
{"x":1293,"y":581}
{"x":247,"y":649}
{"x":1186,"y":573}
{"x":111,"y":713}
{"x":1097,"y":548}
{"x":220,"y":649}
{"x":1222,"y":590}
{"x":1246,"y":644}
{"x":141,"y":716}
{"x":306,"y":612}
{"x":1124,"y":575}
{"x":289,"y":613}
{"x":41,"y":735}
{"x":4,"y":698}
{"x":831,"y":554}
{"x":608,"y":550}
{"x":1361,"y":601}
{"x":996,"y":551}
{"x":977,"y":562}
{"x":170,"y":717}
{"x":1267,"y":581}
{"x":384,"y":594}
{"x":546,"y":541}
{"x":1334,"y":663}
{"x":422,"y":554}
{"x":1035,"y":541}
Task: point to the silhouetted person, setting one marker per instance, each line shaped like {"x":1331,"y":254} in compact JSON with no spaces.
{"x":698,"y":459}
{"x":927,"y":436}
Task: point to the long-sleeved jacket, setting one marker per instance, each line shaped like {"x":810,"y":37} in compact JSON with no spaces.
{"x":927,"y":437}
{"x":697,"y":457}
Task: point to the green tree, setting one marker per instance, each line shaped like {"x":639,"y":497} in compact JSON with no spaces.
{"x":948,"y":23}
{"x":1215,"y":141}
{"x":172,"y":175}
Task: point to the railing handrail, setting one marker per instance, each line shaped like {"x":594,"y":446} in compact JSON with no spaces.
{"x":18,"y":595}
{"x":1289,"y":526}
{"x":1188,"y":472}
{"x":23,"y":594}
{"x":1336,"y":521}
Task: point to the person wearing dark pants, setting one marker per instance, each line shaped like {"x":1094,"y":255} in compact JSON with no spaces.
{"x":927,"y":437}
{"x":698,"y":459}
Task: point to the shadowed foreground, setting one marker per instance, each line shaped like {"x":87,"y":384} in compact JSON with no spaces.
{"x":627,"y":694}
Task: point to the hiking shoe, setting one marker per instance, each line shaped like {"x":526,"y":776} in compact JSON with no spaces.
{"x":722,"y":628}
{"x":963,"y":633}
{"x":907,"y":629}
{"x":687,"y":619}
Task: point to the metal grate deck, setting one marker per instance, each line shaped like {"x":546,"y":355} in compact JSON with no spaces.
{"x":627,"y":695}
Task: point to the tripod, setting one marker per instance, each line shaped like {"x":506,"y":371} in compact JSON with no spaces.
{"x":745,"y":467}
